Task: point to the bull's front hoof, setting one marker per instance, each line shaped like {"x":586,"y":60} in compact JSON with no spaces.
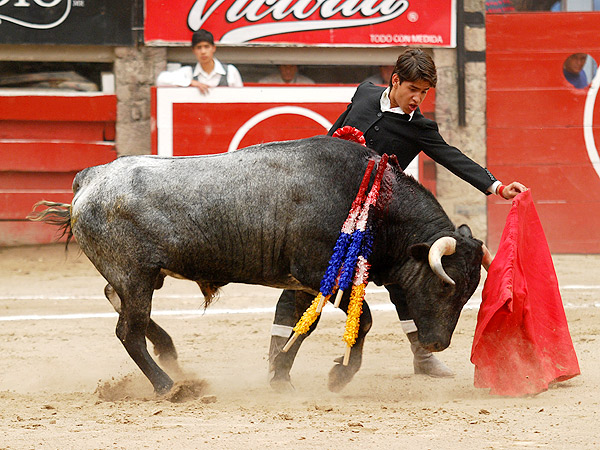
{"x":282,"y":385}
{"x":339,"y":377}
{"x":163,"y":388}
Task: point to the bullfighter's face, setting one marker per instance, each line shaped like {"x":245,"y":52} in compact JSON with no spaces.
{"x":408,"y":95}
{"x":204,"y":52}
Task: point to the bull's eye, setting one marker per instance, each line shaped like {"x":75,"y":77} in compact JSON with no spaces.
{"x":447,"y":286}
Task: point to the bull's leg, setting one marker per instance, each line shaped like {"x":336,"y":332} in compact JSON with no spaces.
{"x":132,"y":326}
{"x":424,"y":362}
{"x":290,"y":307}
{"x":164,"y":348}
{"x":163,"y":344}
{"x":340,"y":375}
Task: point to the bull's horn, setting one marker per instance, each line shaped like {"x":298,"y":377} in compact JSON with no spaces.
{"x":487,"y":257}
{"x":443,"y":246}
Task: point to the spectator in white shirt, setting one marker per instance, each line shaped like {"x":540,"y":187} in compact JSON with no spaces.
{"x":208,"y":72}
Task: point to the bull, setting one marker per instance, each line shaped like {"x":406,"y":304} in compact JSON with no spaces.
{"x":268,"y":215}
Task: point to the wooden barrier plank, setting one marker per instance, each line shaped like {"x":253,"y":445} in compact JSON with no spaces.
{"x":13,"y":233}
{"x":543,"y":146}
{"x":571,"y":237}
{"x":40,"y":181}
{"x":53,"y":156}
{"x":544,"y":68}
{"x":554,"y":183}
{"x":536,"y":108}
{"x":566,"y":197}
{"x":63,"y":130}
{"x":79,"y":108}
{"x":196,"y":126}
{"x":534,"y":33}
{"x":17,"y":205}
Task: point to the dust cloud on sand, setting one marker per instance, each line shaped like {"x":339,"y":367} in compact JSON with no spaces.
{"x":66,"y":382}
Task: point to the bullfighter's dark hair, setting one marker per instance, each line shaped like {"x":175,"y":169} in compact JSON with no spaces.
{"x":202,"y":35}
{"x":415,"y":64}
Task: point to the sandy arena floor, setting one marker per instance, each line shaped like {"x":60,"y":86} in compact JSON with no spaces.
{"x":67,"y":383}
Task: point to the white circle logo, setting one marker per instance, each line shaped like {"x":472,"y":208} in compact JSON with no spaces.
{"x":297,"y":110}
{"x":412,"y":16}
{"x":588,"y":121}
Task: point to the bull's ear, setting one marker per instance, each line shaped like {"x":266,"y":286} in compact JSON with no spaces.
{"x":420,"y":252}
{"x":464,"y":231}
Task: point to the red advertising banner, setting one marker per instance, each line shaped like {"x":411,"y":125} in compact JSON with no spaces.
{"x":305,"y":22}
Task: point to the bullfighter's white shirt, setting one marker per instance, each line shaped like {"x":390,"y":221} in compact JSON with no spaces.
{"x":384,"y":105}
{"x":183,"y":76}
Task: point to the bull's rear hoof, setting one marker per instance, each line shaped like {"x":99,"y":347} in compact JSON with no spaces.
{"x":339,"y":377}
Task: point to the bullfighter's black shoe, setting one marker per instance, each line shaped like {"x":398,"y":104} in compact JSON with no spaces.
{"x":425,"y":362}
{"x":279,"y":377}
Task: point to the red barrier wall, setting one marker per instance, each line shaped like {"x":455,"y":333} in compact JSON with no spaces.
{"x":536,"y":124}
{"x":44,"y":142}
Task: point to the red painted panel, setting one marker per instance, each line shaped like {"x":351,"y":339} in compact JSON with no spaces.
{"x":14,"y":233}
{"x":17,"y":205}
{"x":64,"y":130}
{"x":570,"y":237}
{"x":37,"y":181}
{"x":538,"y":33}
{"x":535,"y":124}
{"x":428,"y":105}
{"x":554,"y":183}
{"x":44,"y":142}
{"x":53,"y":156}
{"x":428,"y":173}
{"x":544,"y":68}
{"x":538,"y":146}
{"x":96,"y":108}
{"x":536,"y":108}
{"x":204,"y":128}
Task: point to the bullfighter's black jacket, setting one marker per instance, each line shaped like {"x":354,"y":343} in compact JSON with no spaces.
{"x":391,"y":133}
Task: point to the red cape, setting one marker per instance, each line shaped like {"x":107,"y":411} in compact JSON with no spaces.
{"x":522,"y":342}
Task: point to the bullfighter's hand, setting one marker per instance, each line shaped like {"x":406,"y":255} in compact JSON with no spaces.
{"x":513,"y":189}
{"x":203,"y":87}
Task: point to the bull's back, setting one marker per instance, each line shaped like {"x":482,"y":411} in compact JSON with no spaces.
{"x":251,"y":207}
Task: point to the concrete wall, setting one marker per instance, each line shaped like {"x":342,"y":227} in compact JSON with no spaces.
{"x":462,"y":202}
{"x":135,"y":71}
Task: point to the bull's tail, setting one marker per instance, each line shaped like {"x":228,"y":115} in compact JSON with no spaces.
{"x":58,"y":214}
